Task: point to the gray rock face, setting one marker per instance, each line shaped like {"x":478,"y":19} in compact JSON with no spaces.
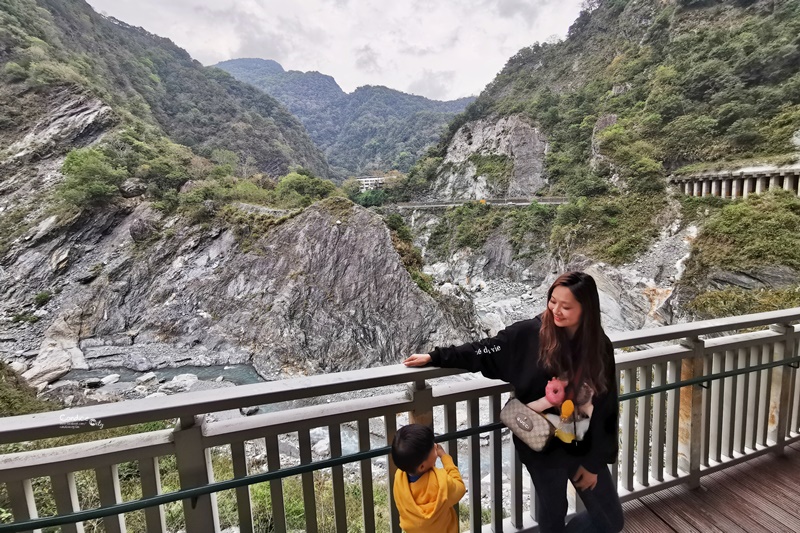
{"x":504,"y":287}
{"x":70,"y":119}
{"x":310,"y":295}
{"x":49,"y":125}
{"x":510,"y":136}
{"x":774,"y":277}
{"x":132,"y":188}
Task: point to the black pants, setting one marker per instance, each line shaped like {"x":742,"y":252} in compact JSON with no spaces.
{"x":603,"y":512}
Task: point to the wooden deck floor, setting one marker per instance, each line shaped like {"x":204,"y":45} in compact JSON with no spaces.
{"x":760,"y":495}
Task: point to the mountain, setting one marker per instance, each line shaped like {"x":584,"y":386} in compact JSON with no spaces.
{"x":147,"y":79}
{"x":142,"y":224}
{"x":637,"y":90}
{"x":372,"y":128}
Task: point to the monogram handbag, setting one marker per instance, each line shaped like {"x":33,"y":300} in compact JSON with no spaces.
{"x":529,"y":426}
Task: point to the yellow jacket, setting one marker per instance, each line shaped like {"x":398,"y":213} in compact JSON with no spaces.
{"x":426,"y":506}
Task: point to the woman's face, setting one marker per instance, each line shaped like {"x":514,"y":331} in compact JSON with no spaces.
{"x":566,"y":309}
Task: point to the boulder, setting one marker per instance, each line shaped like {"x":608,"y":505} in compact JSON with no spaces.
{"x":132,"y":188}
{"x":18,"y":367}
{"x":109,"y":379}
{"x":150,"y":377}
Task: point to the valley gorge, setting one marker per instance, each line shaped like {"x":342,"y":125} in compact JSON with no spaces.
{"x":197,"y":255}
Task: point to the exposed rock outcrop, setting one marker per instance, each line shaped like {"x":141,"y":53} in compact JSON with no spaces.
{"x":323,"y":291}
{"x":48,"y":125}
{"x":505,"y":287}
{"x":523,"y":144}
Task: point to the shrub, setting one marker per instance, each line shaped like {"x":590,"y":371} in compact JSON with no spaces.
{"x":372,"y":198}
{"x":91,"y":179}
{"x":738,"y":301}
{"x":763,"y":230}
{"x":497,"y":168}
{"x":614,"y":229}
{"x":14,"y":72}
{"x":17,"y":397}
{"x":297,"y":190}
{"x":42,"y":298}
{"x":396,"y":223}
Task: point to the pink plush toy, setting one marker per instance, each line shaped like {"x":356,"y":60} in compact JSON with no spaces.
{"x":554,"y":396}
{"x":554,"y":392}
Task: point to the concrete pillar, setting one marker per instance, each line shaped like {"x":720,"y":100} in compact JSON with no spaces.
{"x":706,"y":187}
{"x":735,"y":188}
{"x":715,"y":188}
{"x":422,"y":395}
{"x":726,"y":188}
{"x":788,"y":182}
{"x":696,"y":188}
{"x":746,"y":184}
{"x":759,"y":185}
{"x":773,"y":183}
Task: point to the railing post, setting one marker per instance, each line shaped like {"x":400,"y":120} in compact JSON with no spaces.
{"x":194,"y":469}
{"x":690,"y":433}
{"x":781,"y":386}
{"x":422,"y":395}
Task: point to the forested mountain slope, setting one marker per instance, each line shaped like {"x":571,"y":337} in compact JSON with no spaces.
{"x":372,"y":128}
{"x":143,"y":77}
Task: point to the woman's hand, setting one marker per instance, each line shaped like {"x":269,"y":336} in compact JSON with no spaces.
{"x":418,"y":359}
{"x":584,"y":479}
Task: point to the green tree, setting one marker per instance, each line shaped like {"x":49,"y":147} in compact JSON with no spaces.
{"x":351,"y":188}
{"x":91,"y":179}
{"x":297,"y":190}
{"x":372,"y":198}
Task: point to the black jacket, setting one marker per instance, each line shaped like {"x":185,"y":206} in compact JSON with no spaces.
{"x":513,"y":356}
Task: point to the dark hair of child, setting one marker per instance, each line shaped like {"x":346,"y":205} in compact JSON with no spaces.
{"x":412,"y":444}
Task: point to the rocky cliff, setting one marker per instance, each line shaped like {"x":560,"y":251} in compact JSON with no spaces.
{"x":320,"y":291}
{"x":493,"y":158}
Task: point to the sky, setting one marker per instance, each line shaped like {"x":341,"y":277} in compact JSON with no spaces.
{"x":441,"y":49}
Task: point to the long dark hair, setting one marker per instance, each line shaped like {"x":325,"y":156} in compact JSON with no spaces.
{"x":589,"y":341}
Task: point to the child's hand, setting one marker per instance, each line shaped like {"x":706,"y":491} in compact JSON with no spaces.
{"x":440,"y":451}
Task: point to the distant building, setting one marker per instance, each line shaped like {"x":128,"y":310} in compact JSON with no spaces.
{"x":369,"y":183}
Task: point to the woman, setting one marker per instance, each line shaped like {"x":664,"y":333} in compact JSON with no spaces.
{"x":567,"y":342}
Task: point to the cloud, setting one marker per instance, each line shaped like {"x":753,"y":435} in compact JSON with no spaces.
{"x":433,"y":85}
{"x":367,"y":60}
{"x":513,"y":8}
{"x":430,"y":46}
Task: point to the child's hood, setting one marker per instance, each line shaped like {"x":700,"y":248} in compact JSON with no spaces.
{"x":425,"y":497}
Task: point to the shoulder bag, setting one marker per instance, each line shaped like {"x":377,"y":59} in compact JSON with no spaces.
{"x":529,"y":426}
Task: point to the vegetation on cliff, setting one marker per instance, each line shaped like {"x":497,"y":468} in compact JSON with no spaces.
{"x":372,"y":128}
{"x":470,"y":226}
{"x":638,"y":90}
{"x":749,"y":238}
{"x":146,"y":78}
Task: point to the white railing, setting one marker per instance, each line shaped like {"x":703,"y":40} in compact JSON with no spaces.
{"x":670,"y":434}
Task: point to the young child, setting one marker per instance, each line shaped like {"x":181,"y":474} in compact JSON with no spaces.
{"x":425,"y":495}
